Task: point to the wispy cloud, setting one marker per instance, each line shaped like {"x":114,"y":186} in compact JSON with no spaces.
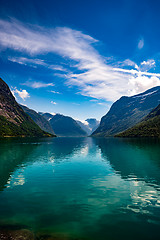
{"x":141,"y":43}
{"x":93,"y":75}
{"x":36,"y":62}
{"x":36,"y":40}
{"x":21,"y":93}
{"x":55,"y":92}
{"x":37,"y":84}
{"x":128,"y":62}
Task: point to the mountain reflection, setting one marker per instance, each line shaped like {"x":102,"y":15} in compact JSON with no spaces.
{"x":21,"y":152}
{"x":13,"y":154}
{"x":138,"y":158}
{"x":83,"y":186}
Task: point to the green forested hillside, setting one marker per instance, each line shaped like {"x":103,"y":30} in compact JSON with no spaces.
{"x":13,"y":120}
{"x":149,"y":127}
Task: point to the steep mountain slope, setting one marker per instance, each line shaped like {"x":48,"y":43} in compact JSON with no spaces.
{"x":149,"y":127}
{"x":66,"y":126}
{"x":38,"y":119}
{"x":128,"y":111}
{"x":13,"y":120}
{"x":84,"y":127}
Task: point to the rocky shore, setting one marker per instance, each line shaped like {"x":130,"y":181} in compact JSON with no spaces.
{"x":25,"y":234}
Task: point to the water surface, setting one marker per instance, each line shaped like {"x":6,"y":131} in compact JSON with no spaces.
{"x":81,"y":188}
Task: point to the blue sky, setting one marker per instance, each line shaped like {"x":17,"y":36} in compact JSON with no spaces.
{"x":78,"y":57}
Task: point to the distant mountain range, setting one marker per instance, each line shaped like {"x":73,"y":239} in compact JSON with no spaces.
{"x":72,"y":129}
{"x":61,"y":125}
{"x":128,"y":111}
{"x":13,"y":120}
{"x":47,"y":116}
{"x":58,"y":124}
{"x":89,"y":125}
{"x":38,"y":119}
{"x":149,"y":127}
{"x":136,"y":116}
{"x":66,"y":126}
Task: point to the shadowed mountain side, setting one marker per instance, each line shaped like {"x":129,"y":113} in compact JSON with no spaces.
{"x":84,"y":127}
{"x":66,"y":126}
{"x":128,"y":111}
{"x":38,"y":119}
{"x":47,"y":116}
{"x":149,"y":127}
{"x":13,"y":120}
{"x":132,"y":157}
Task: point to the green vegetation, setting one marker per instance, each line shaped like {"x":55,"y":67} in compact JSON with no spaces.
{"x":149,"y":127}
{"x":14,"y":122}
{"x":26,"y":129}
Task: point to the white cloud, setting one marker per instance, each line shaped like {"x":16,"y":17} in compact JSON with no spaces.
{"x":36,"y":62}
{"x":84,"y":122}
{"x":37,"y":84}
{"x":103,"y":104}
{"x":150,"y":62}
{"x":36,"y":40}
{"x":95,"y":78}
{"x":53,"y":102}
{"x":141,"y":43}
{"x":55,"y":92}
{"x":22,"y":93}
{"x":141,"y":83}
{"x":130,"y":63}
{"x":147,"y":65}
{"x":94,"y":100}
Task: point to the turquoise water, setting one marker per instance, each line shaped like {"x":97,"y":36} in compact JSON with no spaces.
{"x":81,"y":188}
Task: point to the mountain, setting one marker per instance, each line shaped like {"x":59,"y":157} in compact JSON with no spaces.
{"x":66,"y":126}
{"x":84,"y":127}
{"x":128,"y":111}
{"x":89,"y":125}
{"x":47,"y":116}
{"x":13,"y":120}
{"x":92,"y":123}
{"x":149,"y":127}
{"x":38,"y":119}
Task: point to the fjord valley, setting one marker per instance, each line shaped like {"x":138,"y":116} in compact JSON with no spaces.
{"x":135,"y":116}
{"x":76,"y":183}
{"x":79,"y":120}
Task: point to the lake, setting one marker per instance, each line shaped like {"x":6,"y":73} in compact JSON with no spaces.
{"x":81,"y":188}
